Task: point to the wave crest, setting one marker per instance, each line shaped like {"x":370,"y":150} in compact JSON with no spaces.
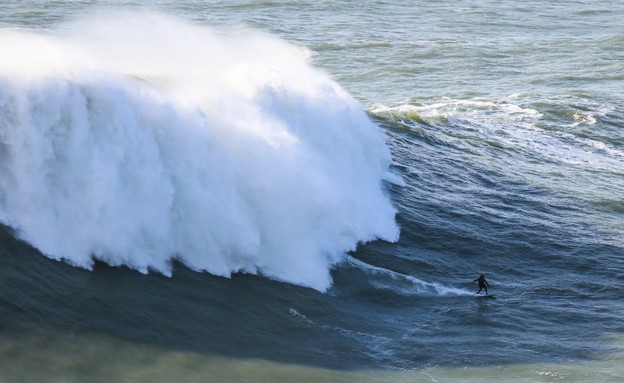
{"x":230,"y":153}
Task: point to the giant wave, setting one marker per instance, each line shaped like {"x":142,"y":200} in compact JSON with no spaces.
{"x":140,"y":140}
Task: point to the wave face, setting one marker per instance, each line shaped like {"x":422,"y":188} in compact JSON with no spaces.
{"x":137,"y":141}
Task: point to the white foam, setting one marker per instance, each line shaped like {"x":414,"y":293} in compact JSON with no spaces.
{"x":137,"y":140}
{"x":414,"y":285}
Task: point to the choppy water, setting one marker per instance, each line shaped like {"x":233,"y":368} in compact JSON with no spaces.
{"x":157,"y":147}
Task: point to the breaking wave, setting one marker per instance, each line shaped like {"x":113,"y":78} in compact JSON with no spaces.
{"x":139,"y":140}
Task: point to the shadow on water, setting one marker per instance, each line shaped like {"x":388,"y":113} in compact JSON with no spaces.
{"x":245,"y":317}
{"x":249,"y":317}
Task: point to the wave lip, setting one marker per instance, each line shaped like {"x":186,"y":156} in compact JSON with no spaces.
{"x":232,"y":155}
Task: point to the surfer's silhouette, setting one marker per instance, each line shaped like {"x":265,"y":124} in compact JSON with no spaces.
{"x":483,"y":284}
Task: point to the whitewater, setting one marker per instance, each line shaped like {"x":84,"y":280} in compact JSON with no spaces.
{"x":141,"y":140}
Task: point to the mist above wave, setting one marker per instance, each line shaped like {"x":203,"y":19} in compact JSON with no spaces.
{"x":137,"y":140}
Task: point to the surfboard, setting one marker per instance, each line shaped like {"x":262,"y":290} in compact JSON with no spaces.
{"x":486,"y":296}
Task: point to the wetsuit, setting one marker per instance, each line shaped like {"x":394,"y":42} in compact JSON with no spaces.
{"x":482,"y":284}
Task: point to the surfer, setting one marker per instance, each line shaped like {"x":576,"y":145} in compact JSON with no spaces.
{"x":483,"y":284}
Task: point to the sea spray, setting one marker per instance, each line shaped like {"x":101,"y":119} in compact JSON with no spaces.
{"x":141,"y":140}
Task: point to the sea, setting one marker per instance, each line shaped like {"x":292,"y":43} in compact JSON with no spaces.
{"x":305,"y":191}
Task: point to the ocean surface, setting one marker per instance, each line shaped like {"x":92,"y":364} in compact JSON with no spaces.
{"x":281,"y":191}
